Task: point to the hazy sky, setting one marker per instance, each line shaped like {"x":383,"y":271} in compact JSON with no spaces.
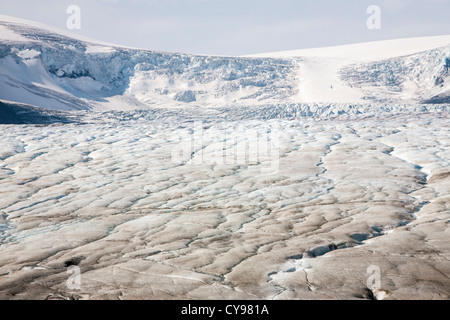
{"x":238,"y":27}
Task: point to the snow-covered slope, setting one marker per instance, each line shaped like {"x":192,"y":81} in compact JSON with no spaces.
{"x":407,"y":70}
{"x":49,"y":68}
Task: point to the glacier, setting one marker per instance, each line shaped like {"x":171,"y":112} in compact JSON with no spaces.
{"x":80,"y":75}
{"x":290,"y":175}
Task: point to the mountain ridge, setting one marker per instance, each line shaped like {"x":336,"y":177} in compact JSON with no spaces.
{"x":48,"y":68}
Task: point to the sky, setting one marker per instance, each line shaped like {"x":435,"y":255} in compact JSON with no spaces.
{"x":238,"y":27}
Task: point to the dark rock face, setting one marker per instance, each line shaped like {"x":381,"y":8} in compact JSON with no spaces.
{"x":14,"y":113}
